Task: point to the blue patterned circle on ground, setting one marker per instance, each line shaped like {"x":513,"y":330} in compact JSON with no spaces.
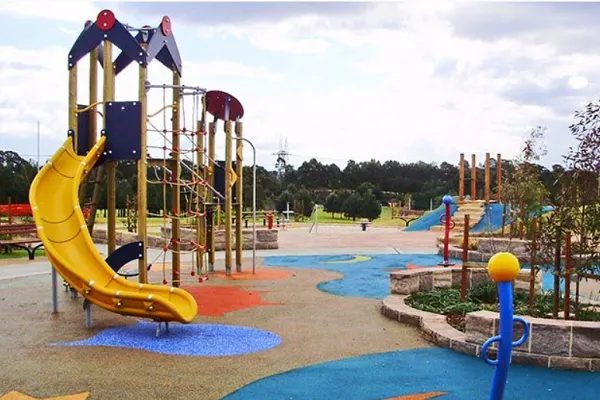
{"x":369,"y":278}
{"x":366,"y":279}
{"x":203,"y":340}
{"x":406,"y":372}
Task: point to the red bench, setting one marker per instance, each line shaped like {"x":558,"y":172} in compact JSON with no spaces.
{"x":26,"y":237}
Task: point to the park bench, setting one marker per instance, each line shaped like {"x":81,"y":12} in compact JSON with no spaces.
{"x":26,"y":237}
{"x":409,"y":216}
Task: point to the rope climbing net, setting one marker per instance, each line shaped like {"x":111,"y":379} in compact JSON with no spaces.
{"x":179,"y":172}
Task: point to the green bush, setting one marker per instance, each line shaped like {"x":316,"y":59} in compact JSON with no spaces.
{"x":446,"y":301}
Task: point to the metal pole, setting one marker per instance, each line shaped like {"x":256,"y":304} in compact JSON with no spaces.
{"x":253,"y":201}
{"x":38,"y":146}
{"x":54,"y":291}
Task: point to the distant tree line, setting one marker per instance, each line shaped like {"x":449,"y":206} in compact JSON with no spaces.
{"x":357,"y":191}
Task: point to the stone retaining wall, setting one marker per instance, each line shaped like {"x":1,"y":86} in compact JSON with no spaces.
{"x":435,"y":329}
{"x":552,"y":343}
{"x":266,"y":239}
{"x":486,"y":248}
{"x":424,"y":279}
{"x":566,"y":344}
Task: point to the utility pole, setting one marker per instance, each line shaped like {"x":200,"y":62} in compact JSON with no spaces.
{"x":38,"y":146}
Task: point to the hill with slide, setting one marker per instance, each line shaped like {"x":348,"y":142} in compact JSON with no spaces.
{"x":430,"y":219}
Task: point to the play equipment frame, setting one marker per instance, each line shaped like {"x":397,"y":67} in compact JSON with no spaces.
{"x":461,"y":180}
{"x":97,"y":40}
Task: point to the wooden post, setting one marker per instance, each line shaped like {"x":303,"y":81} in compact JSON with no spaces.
{"x":521,"y":215}
{"x":487,"y":178}
{"x":176,"y":188}
{"x":465,"y":259}
{"x":110,"y":165}
{"x":532,"y":271}
{"x":93,"y":118}
{"x":461,"y":179}
{"x":141,"y":200}
{"x":10,"y":219}
{"x":73,"y":104}
{"x":93,"y":96}
{"x":228,"y":195}
{"x":568,"y":271}
{"x":473,"y":178}
{"x":556,"y":274}
{"x":210,"y":231}
{"x":201,"y":193}
{"x":239,"y":209}
{"x":499,"y":178}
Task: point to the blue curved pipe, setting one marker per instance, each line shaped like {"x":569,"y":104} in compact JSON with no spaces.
{"x":504,"y":339}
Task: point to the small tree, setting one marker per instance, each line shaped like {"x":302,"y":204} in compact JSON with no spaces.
{"x":333,"y":204}
{"x":282,"y":201}
{"x":352,"y":206}
{"x":524,"y":191}
{"x":305,"y":198}
{"x":370,"y":207}
{"x":577,"y":205}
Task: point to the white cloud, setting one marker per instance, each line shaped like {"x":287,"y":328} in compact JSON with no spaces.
{"x":69,"y":11}
{"x":432,"y":94}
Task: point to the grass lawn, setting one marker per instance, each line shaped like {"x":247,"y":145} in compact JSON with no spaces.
{"x":19,"y":253}
{"x":384,"y":220}
{"x":324,"y":218}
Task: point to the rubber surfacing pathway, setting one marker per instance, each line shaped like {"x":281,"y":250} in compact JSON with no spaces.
{"x":313,"y":331}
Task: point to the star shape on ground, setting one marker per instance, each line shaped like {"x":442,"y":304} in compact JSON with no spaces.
{"x":419,"y":396}
{"x":14,"y":395}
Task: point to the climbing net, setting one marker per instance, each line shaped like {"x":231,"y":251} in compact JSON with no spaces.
{"x":191,"y":180}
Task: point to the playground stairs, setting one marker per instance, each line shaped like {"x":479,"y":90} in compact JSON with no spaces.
{"x":475,"y":209}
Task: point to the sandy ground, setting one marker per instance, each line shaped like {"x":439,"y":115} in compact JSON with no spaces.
{"x":315,"y":327}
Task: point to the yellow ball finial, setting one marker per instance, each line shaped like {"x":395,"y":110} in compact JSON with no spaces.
{"x":503,"y":267}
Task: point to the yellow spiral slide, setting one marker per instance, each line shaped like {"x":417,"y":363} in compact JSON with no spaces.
{"x":61,"y":226}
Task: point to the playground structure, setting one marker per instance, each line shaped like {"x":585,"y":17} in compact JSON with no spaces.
{"x":188,"y":162}
{"x":473,"y":179}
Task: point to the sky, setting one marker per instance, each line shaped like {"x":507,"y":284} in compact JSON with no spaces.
{"x":391,"y":81}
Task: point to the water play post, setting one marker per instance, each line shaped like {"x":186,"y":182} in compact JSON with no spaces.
{"x":503,"y":268}
{"x":449,"y":224}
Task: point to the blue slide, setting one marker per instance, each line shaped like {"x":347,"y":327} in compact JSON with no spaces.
{"x":430,"y":219}
{"x":492,"y":220}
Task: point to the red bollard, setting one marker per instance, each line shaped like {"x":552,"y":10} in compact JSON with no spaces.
{"x":270,"y":220}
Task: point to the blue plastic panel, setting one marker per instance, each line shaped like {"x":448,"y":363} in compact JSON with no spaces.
{"x":83,"y":129}
{"x":123,"y":130}
{"x":92,"y":37}
{"x":220,"y":179}
{"x":124,"y":254}
{"x":164,"y":49}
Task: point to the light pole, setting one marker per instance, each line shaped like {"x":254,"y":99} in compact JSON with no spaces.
{"x":253,"y":201}
{"x":38,"y":146}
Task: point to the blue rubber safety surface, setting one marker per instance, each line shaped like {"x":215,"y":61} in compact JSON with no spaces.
{"x":430,"y":219}
{"x":366,"y":279}
{"x":492,"y":219}
{"x":369,"y":278}
{"x":406,"y":372}
{"x":203,"y":340}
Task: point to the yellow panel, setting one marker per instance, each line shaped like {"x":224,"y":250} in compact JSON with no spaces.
{"x":69,"y":246}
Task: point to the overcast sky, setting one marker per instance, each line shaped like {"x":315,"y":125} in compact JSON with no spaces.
{"x":339,"y":80}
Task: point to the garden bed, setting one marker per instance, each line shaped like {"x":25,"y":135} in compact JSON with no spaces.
{"x":553,"y":343}
{"x":446,"y":301}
